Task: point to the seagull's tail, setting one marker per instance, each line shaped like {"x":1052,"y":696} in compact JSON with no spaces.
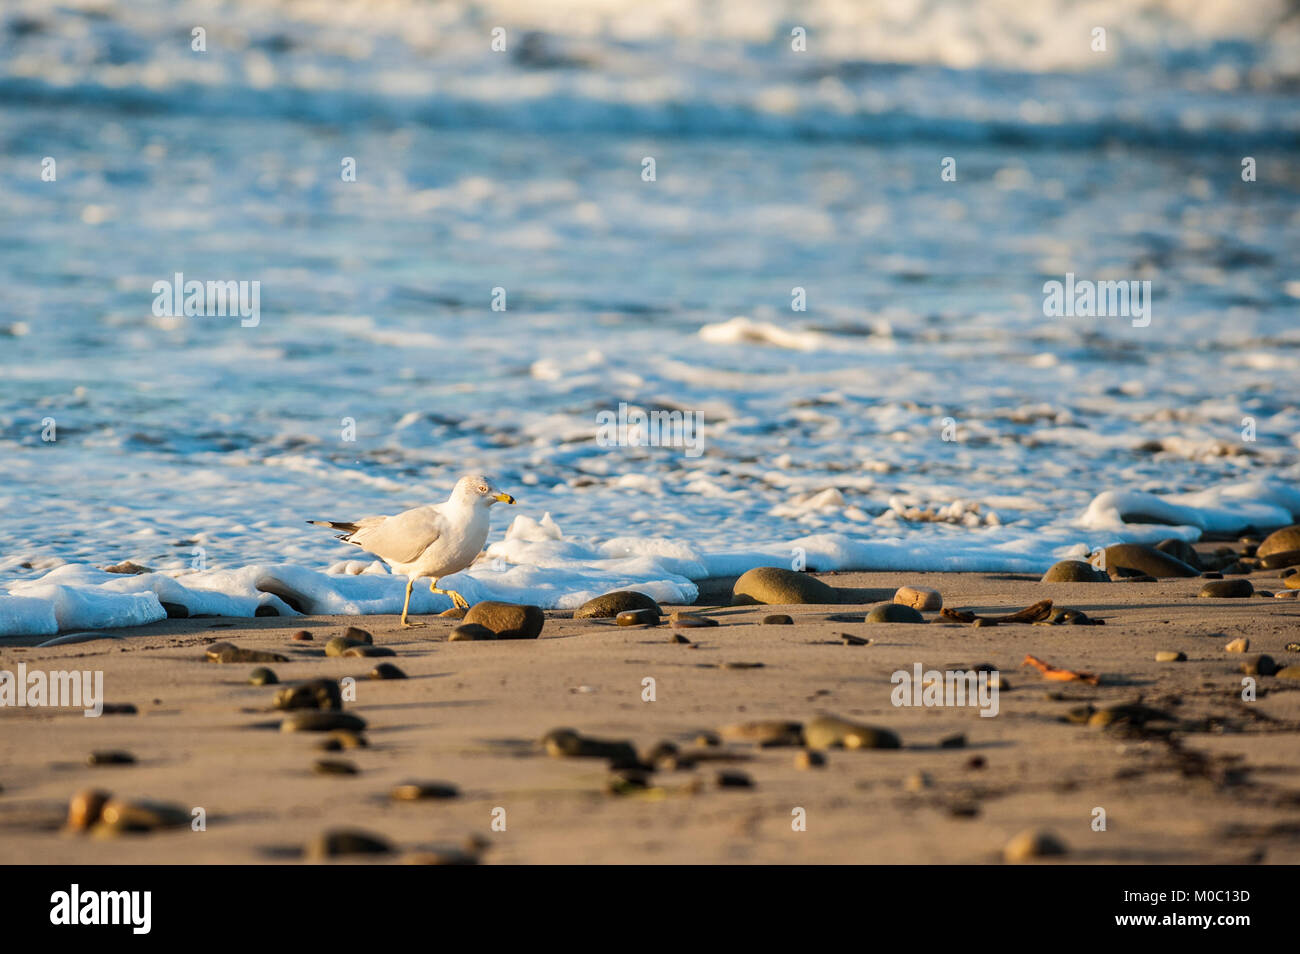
{"x":347,"y":528}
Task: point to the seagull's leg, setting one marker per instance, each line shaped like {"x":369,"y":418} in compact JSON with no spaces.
{"x":410,"y":582}
{"x":457,"y":600}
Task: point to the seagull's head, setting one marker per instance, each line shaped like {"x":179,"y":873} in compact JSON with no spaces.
{"x":478,"y":491}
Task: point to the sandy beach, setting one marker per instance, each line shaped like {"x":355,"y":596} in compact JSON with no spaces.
{"x":1219,"y":783}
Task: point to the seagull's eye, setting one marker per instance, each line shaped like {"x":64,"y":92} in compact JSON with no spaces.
{"x":482,"y":489}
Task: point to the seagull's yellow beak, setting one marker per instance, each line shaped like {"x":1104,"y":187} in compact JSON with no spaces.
{"x":504,"y":498}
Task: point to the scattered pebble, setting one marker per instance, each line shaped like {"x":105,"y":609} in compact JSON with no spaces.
{"x":421,"y":791}
{"x":85,"y":807}
{"x":734,"y":780}
{"x":767,"y":733}
{"x":313,"y":694}
{"x":110,"y":758}
{"x":637,"y":617}
{"x":1261,"y":665}
{"x":120,"y":816}
{"x":918,"y":781}
{"x":229,"y":653}
{"x":779,"y":586}
{"x":353,"y":632}
{"x":261,"y":676}
{"x":1030,"y":844}
{"x":387,"y":671}
{"x":610,"y":605}
{"x":508,"y":620}
{"x":825,"y":732}
{"x":919,"y":598}
{"x":692,"y":620}
{"x":302,"y":636}
{"x":339,"y":645}
{"x":368,"y":651}
{"x":809,"y":759}
{"x":333,"y":844}
{"x":1170,"y":655}
{"x":850,"y":640}
{"x":953,"y":742}
{"x":1074,"y":571}
{"x":894,"y":613}
{"x":314,"y":720}
{"x":778,"y":619}
{"x":334,"y":767}
{"x":680,"y":640}
{"x":1238,"y":645}
{"x":1227,"y":589}
{"x":470,"y":632}
{"x":566,"y":743}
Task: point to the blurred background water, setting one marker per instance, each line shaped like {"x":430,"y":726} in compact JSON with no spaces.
{"x":521,"y":169}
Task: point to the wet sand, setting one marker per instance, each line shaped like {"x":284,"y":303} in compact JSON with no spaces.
{"x":1224,"y":787}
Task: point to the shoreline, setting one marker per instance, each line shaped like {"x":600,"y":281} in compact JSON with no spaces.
{"x":1222,"y":787}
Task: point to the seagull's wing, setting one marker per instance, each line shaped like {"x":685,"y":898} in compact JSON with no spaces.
{"x":401,"y":538}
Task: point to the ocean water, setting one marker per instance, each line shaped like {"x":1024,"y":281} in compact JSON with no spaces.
{"x":921,"y":412}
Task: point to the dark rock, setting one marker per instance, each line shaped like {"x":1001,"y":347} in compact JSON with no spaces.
{"x":470,"y":632}
{"x":319,"y":720}
{"x":775,"y":585}
{"x":387,"y":671}
{"x":611,"y":604}
{"x":508,"y":620}
{"x":368,"y":651}
{"x":423,"y":791}
{"x":778,"y":619}
{"x":1280,"y":541}
{"x":894,"y":613}
{"x":1147,"y":560}
{"x":110,"y":758}
{"x":321,"y":694}
{"x":1074,"y":571}
{"x":334,"y":767}
{"x":638,"y":617}
{"x":827,"y":732}
{"x":1227,"y":589}
{"x":339,"y":842}
{"x":261,"y":676}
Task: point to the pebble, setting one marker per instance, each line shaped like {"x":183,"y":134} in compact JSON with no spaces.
{"x":1170,"y":655}
{"x":313,"y":694}
{"x":420,"y":791}
{"x":339,"y":645}
{"x":85,"y":807}
{"x":778,"y":619}
{"x":918,"y":781}
{"x":110,"y":758}
{"x":1030,"y":844}
{"x":627,"y":781}
{"x":343,"y":739}
{"x":691,"y":620}
{"x":708,"y":739}
{"x":681,"y":640}
{"x":387,"y":671}
{"x":637,"y":617}
{"x":776,"y":585}
{"x":1261,"y":665}
{"x":127,"y":567}
{"x":1238,"y":645}
{"x":846,"y":618}
{"x":508,"y":620}
{"x":953,"y":742}
{"x":1292,"y":647}
{"x":919,"y":598}
{"x":445,"y":855}
{"x":353,"y":632}
{"x":809,"y":759}
{"x":1074,"y":571}
{"x":850,"y":640}
{"x":261,"y":676}
{"x":734,"y":780}
{"x":1278,"y":561}
{"x":1292,"y":582}
{"x":825,"y":732}
{"x":121,"y":815}
{"x":1147,"y":560}
{"x":742,"y":665}
{"x":334,"y":767}
{"x":119,"y":708}
{"x":1280,"y":541}
{"x":302,"y":636}
{"x":767,"y":733}
{"x":332,"y":844}
{"x":982,"y":622}
{"x":470,"y":632}
{"x":229,"y":653}
{"x":368,"y":651}
{"x":566,"y":743}
{"x":1288,"y":672}
{"x":976,"y":762}
{"x":611,"y":604}
{"x":1227,"y":589}
{"x":894,"y":613}
{"x":313,"y":720}
{"x":1287,"y":594}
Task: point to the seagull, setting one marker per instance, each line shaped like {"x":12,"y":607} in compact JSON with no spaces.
{"x":434,"y":541}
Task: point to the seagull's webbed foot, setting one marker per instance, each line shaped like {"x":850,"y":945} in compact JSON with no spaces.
{"x":457,"y":600}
